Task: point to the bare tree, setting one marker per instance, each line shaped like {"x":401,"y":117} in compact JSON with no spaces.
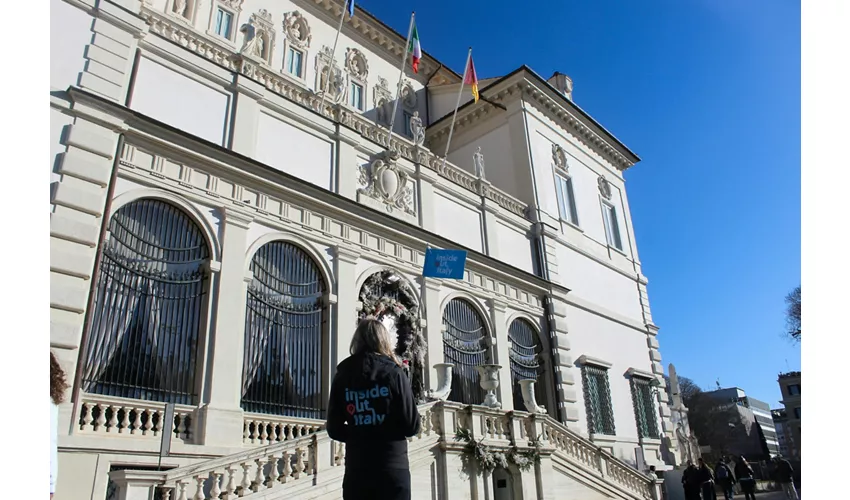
{"x":794,"y":314}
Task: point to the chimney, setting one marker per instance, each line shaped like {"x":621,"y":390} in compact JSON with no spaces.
{"x":563,"y":83}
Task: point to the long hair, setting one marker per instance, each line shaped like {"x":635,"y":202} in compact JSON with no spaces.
{"x":57,"y":381}
{"x":372,"y":336}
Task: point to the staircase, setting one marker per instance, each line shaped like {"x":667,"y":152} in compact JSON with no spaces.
{"x":312,"y":466}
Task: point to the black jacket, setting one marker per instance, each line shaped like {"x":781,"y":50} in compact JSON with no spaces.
{"x":372,"y":410}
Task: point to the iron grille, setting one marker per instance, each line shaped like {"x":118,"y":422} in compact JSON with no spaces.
{"x":148,"y":306}
{"x":284,"y":322}
{"x":644,"y":404}
{"x":464,"y":345}
{"x":526,"y":361}
{"x":597,"y":400}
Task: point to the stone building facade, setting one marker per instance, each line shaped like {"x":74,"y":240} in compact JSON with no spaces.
{"x":227,"y":199}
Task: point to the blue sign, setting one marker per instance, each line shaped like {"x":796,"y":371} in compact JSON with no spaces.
{"x":446,"y":264}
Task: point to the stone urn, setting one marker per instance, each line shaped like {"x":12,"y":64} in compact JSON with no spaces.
{"x":489,"y":378}
{"x":528,"y":396}
{"x":444,"y":382}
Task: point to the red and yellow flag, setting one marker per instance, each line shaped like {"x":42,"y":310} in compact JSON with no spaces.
{"x":471,"y":78}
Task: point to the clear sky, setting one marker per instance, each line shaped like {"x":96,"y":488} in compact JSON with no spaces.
{"x":707,"y":93}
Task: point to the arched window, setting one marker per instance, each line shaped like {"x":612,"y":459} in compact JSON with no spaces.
{"x":465,"y":345}
{"x":148,"y":306}
{"x":527,"y":362}
{"x":284,"y":324}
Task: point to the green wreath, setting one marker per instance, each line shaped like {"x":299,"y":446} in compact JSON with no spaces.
{"x":487,"y":459}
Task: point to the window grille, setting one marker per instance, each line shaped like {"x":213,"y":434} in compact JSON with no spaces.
{"x":465,"y":345}
{"x":284,"y":323}
{"x":148,"y":306}
{"x":597,"y":400}
{"x":644,"y":404}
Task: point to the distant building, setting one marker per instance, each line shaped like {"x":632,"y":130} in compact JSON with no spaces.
{"x":780,"y":421}
{"x":754,"y":433}
{"x":789,"y":384}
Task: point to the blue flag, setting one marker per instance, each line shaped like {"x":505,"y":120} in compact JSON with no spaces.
{"x":446,"y":264}
{"x":350,"y":5}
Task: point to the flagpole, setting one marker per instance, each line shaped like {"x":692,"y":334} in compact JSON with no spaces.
{"x":406,"y":49}
{"x":459,"y":95}
{"x":333,"y":55}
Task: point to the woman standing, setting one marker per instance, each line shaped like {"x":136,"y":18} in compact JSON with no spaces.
{"x":746,"y":478}
{"x":57,"y":394}
{"x":372,"y":410}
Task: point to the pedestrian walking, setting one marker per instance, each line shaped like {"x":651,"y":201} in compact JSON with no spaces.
{"x":785,"y":477}
{"x":690,"y":482}
{"x":725,"y":478}
{"x":746,"y":478}
{"x":706,"y":481}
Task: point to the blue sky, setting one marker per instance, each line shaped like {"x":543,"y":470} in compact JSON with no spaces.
{"x":707,"y":93}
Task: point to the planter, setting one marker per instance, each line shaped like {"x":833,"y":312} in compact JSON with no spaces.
{"x":528,"y":397}
{"x":489,"y":379}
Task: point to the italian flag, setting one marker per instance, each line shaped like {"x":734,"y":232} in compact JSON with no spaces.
{"x":414,"y":49}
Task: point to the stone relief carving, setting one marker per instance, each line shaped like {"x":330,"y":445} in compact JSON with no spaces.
{"x":337,"y":83}
{"x":233,"y":4}
{"x":183,"y":8}
{"x":559,"y":157}
{"x":297,"y":30}
{"x":382,"y":99}
{"x":259,"y":36}
{"x":408,"y":96}
{"x":386,"y":181}
{"x":417,"y":129}
{"x":478,"y":160}
{"x":356,"y":64}
{"x":604,"y":187}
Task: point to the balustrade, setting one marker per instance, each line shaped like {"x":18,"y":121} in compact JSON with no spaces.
{"x":130,"y":417}
{"x":262,"y":430}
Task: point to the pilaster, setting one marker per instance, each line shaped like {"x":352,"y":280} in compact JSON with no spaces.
{"x":490,"y":212}
{"x":433,"y":328}
{"x":243,"y":136}
{"x":221,"y":418}
{"x":78,"y":202}
{"x":345,"y":312}
{"x":348,"y":162}
{"x":567,"y":390}
{"x":498,"y":316}
{"x":111,"y":54}
{"x":427,"y":180}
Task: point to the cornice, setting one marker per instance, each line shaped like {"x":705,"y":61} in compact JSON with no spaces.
{"x":370,"y":28}
{"x":521,"y":87}
{"x":188,"y":38}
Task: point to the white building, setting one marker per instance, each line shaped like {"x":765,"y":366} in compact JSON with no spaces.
{"x":215,"y":219}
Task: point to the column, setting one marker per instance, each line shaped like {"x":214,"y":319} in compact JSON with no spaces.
{"x":345,"y":317}
{"x":433,"y":329}
{"x":246,"y":112}
{"x":501,"y":348}
{"x":221,"y":418}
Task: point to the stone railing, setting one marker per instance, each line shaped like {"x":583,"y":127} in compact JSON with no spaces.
{"x":292,"y":461}
{"x":579,"y":451}
{"x":263,"y":430}
{"x":296,"y":461}
{"x":131,"y":417}
{"x":171,"y":29}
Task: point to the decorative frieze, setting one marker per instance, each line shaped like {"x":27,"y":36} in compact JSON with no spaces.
{"x":180,"y":34}
{"x":138,"y":162}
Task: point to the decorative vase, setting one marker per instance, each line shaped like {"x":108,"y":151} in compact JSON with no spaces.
{"x":444,"y":382}
{"x":489,"y":378}
{"x":528,"y":397}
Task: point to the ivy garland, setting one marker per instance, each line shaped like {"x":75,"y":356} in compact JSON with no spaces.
{"x":488,"y":460}
{"x":386,"y":292}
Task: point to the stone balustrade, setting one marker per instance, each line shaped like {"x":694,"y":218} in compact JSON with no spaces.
{"x":292,"y":459}
{"x":263,"y":430}
{"x":132,"y":417}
